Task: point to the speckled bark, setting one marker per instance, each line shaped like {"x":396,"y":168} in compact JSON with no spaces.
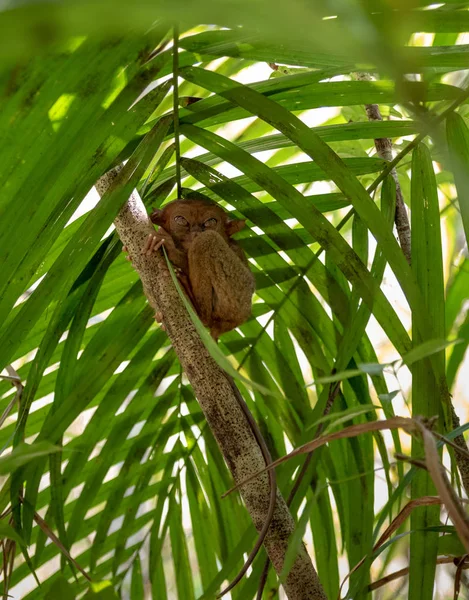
{"x":216,"y":398}
{"x":384,"y":150}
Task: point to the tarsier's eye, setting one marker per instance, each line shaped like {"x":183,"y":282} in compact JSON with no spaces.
{"x":210,"y":222}
{"x":180,"y":220}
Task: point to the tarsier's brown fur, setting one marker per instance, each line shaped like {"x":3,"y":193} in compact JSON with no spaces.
{"x":211,"y":265}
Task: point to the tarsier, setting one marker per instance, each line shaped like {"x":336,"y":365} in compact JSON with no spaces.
{"x":210,"y":265}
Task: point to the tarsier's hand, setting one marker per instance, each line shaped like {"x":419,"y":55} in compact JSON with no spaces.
{"x":153,"y":243}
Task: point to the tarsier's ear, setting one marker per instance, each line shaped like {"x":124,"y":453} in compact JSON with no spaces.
{"x":233,"y":226}
{"x":157,"y":216}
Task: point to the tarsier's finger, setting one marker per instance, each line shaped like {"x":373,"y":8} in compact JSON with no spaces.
{"x":125,"y":249}
{"x":151,"y":245}
{"x":147,"y":244}
{"x":155,"y":244}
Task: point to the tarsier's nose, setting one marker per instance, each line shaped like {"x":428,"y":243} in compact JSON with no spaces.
{"x":195,"y":230}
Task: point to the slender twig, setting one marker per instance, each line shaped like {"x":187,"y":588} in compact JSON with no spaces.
{"x":419,"y":463}
{"x":384,"y":150}
{"x":416,"y":141}
{"x":462,"y":564}
{"x":397,"y":574}
{"x":55,"y":540}
{"x":9,"y":377}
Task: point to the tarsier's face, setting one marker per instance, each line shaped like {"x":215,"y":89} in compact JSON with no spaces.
{"x":186,"y":219}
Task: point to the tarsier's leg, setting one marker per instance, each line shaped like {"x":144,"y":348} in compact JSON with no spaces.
{"x":221,"y":283}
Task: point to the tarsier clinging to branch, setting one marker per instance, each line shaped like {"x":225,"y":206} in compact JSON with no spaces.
{"x":214,"y":272}
{"x":210,"y":265}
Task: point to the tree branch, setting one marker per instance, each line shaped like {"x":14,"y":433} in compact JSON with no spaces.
{"x":384,"y":150}
{"x":216,"y":397}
